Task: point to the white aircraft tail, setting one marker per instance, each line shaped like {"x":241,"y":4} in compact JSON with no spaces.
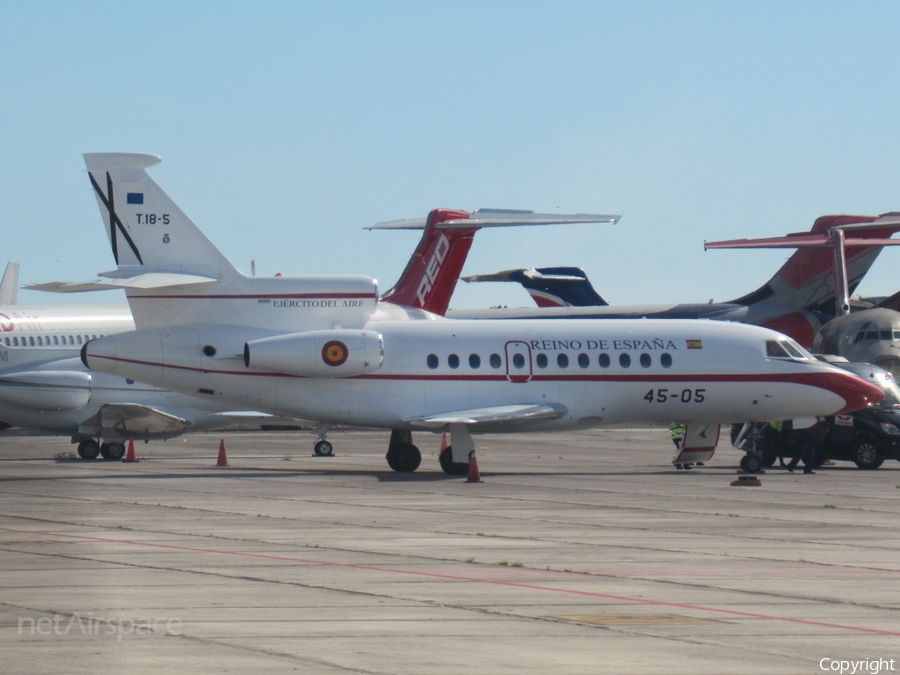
{"x":9,"y":285}
{"x":148,"y":232}
{"x":174,"y":275}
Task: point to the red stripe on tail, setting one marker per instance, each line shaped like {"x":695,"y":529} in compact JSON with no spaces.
{"x":431,"y":275}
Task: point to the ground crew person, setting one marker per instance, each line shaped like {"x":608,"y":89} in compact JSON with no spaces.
{"x":676,"y":430}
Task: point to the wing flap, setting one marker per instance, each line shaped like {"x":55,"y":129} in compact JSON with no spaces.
{"x":133,"y":419}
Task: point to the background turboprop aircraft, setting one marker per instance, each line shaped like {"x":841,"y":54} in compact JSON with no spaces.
{"x":324,"y":347}
{"x":796,"y":301}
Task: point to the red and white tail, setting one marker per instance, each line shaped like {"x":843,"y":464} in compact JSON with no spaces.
{"x":431,"y":274}
{"x":803,"y":292}
{"x":433,"y":270}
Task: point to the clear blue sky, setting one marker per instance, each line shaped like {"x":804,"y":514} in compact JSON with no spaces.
{"x":286,"y":127}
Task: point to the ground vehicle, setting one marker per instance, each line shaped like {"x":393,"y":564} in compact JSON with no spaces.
{"x":866,"y":437}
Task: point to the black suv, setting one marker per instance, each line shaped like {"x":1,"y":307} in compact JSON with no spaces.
{"x":866,"y":437}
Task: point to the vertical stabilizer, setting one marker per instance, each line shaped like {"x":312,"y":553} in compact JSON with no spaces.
{"x":551,"y":286}
{"x":9,"y":285}
{"x":174,"y":275}
{"x":431,"y":274}
{"x":147,"y":231}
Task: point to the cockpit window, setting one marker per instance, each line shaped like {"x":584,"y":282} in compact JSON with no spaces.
{"x":787,"y":349}
{"x":796,"y":351}
{"x":776,"y":350}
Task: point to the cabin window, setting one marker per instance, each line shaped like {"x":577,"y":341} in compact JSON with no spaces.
{"x":40,"y":343}
{"x":496,"y":361}
{"x":474,"y":361}
{"x":7,"y":342}
{"x":562,"y":360}
{"x":518,"y":361}
{"x":31,"y":340}
{"x":624,"y":360}
{"x":47,"y":340}
{"x":584,"y":360}
{"x":15,"y":342}
{"x":646,"y":360}
{"x":453,"y":361}
{"x":665,"y":360}
{"x":433,"y":361}
{"x":93,"y":337}
{"x":79,"y":338}
{"x":71,"y":340}
{"x":56,"y":340}
{"x":541,"y":360}
{"x":604,"y":360}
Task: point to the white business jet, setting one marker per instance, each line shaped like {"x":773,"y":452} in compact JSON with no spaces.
{"x":325,"y":348}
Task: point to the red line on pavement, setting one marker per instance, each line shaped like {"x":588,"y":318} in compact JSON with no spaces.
{"x":453,"y":577}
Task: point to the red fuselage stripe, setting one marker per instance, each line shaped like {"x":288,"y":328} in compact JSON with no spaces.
{"x":273,"y":296}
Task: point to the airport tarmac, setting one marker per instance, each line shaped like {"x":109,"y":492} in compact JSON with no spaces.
{"x":579,"y":553}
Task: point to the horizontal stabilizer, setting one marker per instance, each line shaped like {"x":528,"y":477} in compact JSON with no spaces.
{"x":821,"y":238}
{"x":144,"y":281}
{"x":498,"y":218}
{"x":530,"y":274}
{"x":499,"y":415}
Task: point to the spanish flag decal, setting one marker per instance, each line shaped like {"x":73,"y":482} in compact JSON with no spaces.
{"x":334,"y":353}
{"x":694,"y":344}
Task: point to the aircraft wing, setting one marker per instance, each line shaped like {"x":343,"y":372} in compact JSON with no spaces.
{"x":133,"y":419}
{"x":498,"y":416}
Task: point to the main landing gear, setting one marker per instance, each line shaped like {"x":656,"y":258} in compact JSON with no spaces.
{"x":88,"y":448}
{"x":402,"y":456}
{"x":450,"y":467}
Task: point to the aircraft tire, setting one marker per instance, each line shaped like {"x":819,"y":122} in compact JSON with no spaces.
{"x":450,"y":467}
{"x":865,"y":454}
{"x":114,"y":451}
{"x":323,"y":448}
{"x":404,"y":457}
{"x":751,"y":463}
{"x":88,"y":449}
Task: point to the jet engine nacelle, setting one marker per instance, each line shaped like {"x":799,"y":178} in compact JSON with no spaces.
{"x":46,"y":389}
{"x":321,"y":353}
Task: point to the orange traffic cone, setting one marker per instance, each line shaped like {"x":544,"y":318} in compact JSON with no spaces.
{"x":129,"y":456}
{"x":223,"y":458}
{"x":474,"y":476}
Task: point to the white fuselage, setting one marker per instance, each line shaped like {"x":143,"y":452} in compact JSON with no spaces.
{"x":594,"y":372}
{"x":45,"y":387}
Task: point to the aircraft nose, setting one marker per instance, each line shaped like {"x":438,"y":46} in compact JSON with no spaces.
{"x":856,"y":392}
